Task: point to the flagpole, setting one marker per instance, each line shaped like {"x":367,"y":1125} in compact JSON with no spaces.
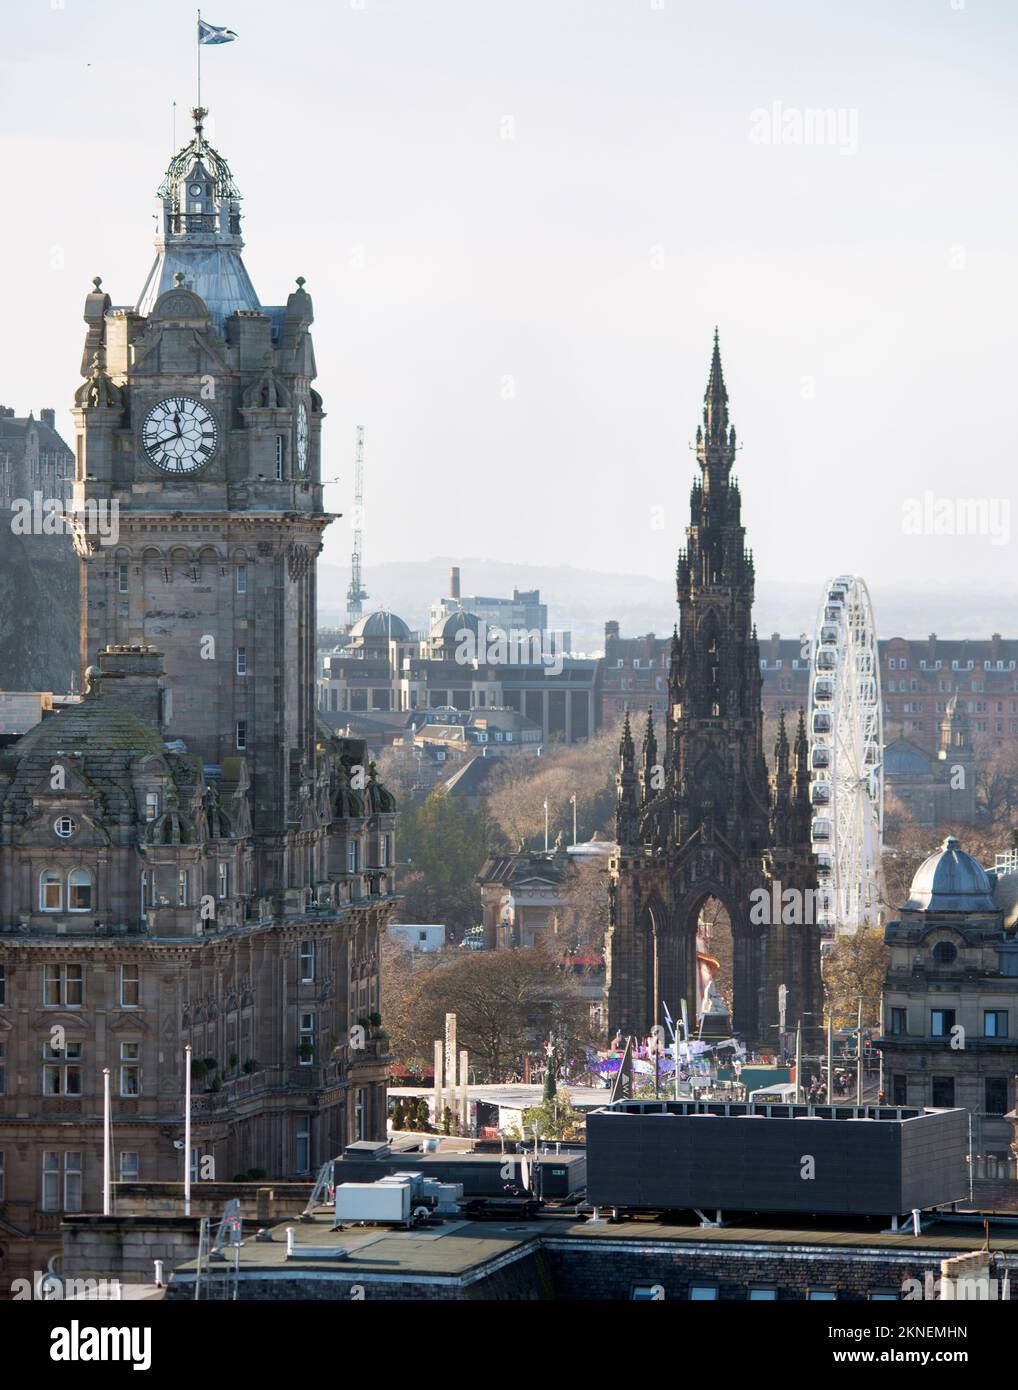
{"x":106,"y":1141}
{"x":187,"y":1129}
{"x":199,"y":57}
{"x":574,"y":818}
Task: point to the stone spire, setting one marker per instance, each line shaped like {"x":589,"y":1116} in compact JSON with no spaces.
{"x":648,"y":759}
{"x":626,"y":805}
{"x":801,"y":798}
{"x":715,"y":439}
{"x":715,"y":398}
{"x":781,"y":818}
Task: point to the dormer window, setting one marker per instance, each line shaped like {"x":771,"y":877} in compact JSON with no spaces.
{"x":65,"y":826}
{"x":151,"y":805}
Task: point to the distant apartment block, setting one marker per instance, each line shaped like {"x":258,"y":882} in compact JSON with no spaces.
{"x":635,"y":674}
{"x":918,"y":678}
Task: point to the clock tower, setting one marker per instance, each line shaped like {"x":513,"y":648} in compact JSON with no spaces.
{"x":199,"y":428}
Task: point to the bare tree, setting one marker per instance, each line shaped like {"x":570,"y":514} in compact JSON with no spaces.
{"x":506,"y":1004}
{"x":856,"y":965}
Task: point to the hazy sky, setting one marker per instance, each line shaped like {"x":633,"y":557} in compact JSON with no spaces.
{"x":520,"y":221}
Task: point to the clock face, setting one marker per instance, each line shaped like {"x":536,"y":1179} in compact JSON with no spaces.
{"x":179,"y":434}
{"x":302,"y":436}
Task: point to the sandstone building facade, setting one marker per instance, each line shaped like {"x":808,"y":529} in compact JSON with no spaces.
{"x":188,"y":855}
{"x":950,"y":1007}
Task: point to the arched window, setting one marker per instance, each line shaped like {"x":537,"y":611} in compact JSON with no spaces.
{"x":79,"y":890}
{"x":51,"y":891}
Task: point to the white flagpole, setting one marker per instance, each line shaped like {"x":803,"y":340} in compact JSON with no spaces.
{"x":199,"y":57}
{"x":574,"y":818}
{"x":106,"y":1141}
{"x":187,"y":1129}
{"x":546,"y":827}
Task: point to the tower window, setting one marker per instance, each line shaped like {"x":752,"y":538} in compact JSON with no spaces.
{"x":242,"y":579}
{"x":79,"y":890}
{"x":63,"y":986}
{"x":242,"y":661}
{"x":182,"y":888}
{"x":307,"y":962}
{"x":307,"y":1039}
{"x":130,"y":987}
{"x":280,"y":449}
{"x":61,"y":1074}
{"x":151,"y":805}
{"x":51,"y":891}
{"x":122,"y":579}
{"x":130,"y":1069}
{"x":241,"y":734}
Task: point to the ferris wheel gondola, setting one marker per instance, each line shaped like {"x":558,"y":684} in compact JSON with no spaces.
{"x":846,"y":758}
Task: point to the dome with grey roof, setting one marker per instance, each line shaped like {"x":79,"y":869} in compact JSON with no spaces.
{"x":951,"y":881}
{"x":381,"y":624}
{"x":450,"y":628}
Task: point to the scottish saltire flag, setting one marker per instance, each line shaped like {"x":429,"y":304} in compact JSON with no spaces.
{"x":214,"y":33}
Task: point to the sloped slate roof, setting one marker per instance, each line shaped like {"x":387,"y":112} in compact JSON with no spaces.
{"x":109,"y":739}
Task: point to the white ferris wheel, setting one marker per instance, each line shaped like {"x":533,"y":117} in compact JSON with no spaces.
{"x":846,"y":758}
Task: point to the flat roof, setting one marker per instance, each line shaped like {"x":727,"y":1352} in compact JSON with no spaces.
{"x":458,"y":1247}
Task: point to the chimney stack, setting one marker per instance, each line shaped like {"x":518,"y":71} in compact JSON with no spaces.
{"x":454,"y":582}
{"x":133,"y":677}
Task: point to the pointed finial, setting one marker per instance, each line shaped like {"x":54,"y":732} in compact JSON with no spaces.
{"x":97,"y":282}
{"x":782,"y":739}
{"x":301,"y":282}
{"x":178,"y":279}
{"x":715,"y":399}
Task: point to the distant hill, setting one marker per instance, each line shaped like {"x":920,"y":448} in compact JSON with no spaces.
{"x":580,"y":600}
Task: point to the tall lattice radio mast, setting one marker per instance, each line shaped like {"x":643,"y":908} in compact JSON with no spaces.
{"x":356,"y":594}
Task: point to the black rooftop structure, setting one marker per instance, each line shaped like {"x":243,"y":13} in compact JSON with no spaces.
{"x":681,"y":1155}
